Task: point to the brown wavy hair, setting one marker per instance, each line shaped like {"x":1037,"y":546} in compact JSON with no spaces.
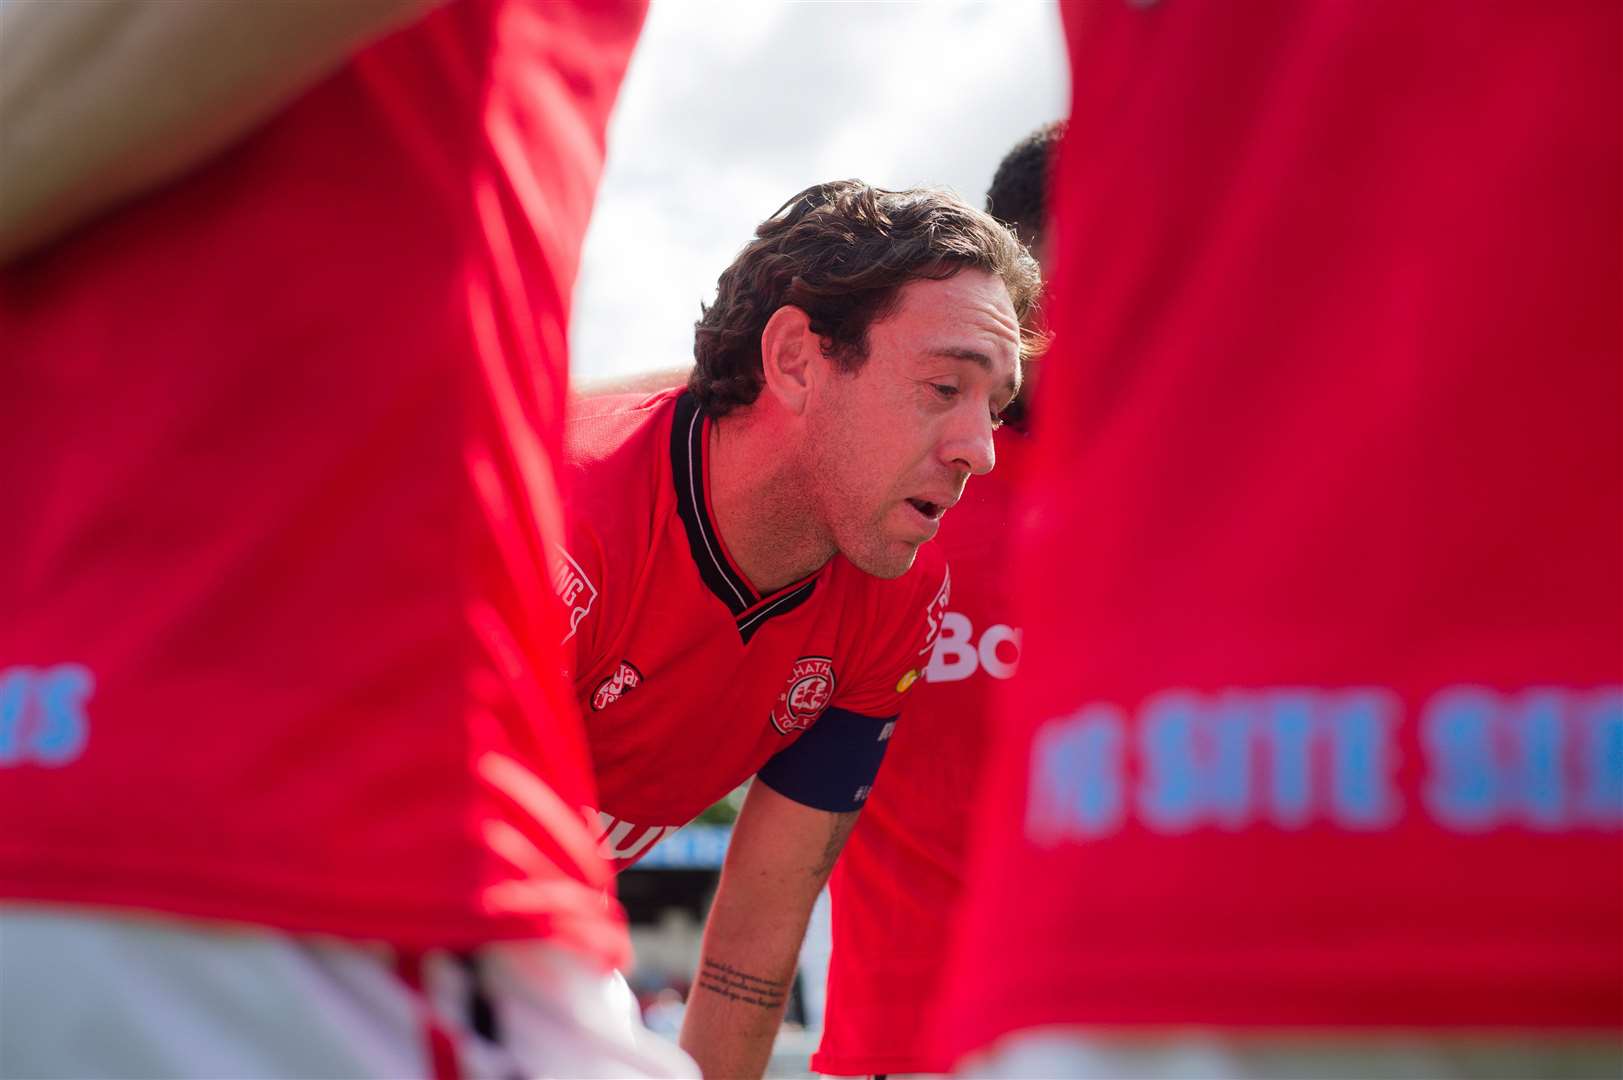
{"x":841,"y":252}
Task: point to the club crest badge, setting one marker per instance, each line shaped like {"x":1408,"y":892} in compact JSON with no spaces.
{"x":810,"y":689}
{"x":621,"y":682}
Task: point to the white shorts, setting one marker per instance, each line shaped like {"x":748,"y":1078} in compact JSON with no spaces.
{"x":93,"y":994}
{"x":1082,"y":1055}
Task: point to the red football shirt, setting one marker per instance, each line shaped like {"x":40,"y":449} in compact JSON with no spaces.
{"x":1318,"y":722}
{"x":899,"y":880}
{"x":277,"y":645}
{"x":690,"y":681}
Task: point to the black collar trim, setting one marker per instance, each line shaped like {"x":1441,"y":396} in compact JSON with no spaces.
{"x":780,"y":604}
{"x":750,"y":610}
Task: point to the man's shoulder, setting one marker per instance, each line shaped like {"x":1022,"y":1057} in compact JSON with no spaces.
{"x":606,"y":425}
{"x":616,"y":476}
{"x":615,"y":446}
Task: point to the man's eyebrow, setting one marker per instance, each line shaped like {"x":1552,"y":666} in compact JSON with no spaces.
{"x":954,"y":353}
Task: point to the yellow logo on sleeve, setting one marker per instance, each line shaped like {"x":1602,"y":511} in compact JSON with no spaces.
{"x":907,"y":681}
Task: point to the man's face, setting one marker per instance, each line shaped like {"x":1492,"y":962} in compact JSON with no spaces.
{"x":889,"y":447}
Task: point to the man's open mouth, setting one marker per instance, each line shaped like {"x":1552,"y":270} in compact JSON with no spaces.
{"x":927,"y":508}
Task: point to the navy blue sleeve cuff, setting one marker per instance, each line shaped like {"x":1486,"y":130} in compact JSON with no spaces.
{"x":833,"y":765}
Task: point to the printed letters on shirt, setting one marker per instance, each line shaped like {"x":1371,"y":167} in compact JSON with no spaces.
{"x":1547,"y":758}
{"x":42,"y":714}
{"x":573,"y":587}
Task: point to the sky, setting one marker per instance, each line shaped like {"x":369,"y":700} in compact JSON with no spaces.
{"x":731,"y":108}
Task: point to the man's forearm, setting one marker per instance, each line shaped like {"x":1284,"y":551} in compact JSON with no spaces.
{"x":101,"y":100}
{"x":779,"y":858}
{"x":733,"y":1013}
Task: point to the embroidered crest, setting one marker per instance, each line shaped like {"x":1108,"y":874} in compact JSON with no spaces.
{"x":810,"y":689}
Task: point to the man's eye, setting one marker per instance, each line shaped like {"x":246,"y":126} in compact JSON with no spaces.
{"x":944,"y":391}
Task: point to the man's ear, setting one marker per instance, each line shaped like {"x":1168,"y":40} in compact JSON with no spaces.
{"x":788,"y":351}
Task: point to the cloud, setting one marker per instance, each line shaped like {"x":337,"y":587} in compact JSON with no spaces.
{"x":730,"y":108}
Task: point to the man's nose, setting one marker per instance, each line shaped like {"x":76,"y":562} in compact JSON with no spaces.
{"x":969,"y":446}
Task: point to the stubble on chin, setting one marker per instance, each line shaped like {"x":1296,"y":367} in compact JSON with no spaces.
{"x":884,"y":558}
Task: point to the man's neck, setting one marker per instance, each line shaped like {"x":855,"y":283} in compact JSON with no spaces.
{"x":761,"y":506}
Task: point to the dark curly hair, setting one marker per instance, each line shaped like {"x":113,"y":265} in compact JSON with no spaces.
{"x":1018,"y":196}
{"x":841,"y":252}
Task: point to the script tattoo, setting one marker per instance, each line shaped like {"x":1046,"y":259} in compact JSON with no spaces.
{"x":740,"y":986}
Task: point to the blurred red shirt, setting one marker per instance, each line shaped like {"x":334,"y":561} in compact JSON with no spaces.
{"x":278,"y":444}
{"x":1319,"y":722}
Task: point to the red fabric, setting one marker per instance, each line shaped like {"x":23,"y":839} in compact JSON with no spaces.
{"x":277,"y":450}
{"x":1336,"y":403}
{"x":441,"y":1049}
{"x":899,"y":879}
{"x":700,"y":720}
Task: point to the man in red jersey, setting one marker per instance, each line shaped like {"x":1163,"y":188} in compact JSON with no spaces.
{"x":1315,"y":761}
{"x":898,"y":882}
{"x":744,"y":572}
{"x":284,"y":743}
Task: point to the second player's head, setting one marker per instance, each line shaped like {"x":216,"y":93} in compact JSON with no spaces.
{"x":878,"y":334}
{"x":1019,"y":197}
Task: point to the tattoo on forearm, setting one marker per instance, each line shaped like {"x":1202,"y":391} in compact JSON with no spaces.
{"x":740,"y":986}
{"x":843,"y":824}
